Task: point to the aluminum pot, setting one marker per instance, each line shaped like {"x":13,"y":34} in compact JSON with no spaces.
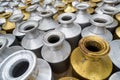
{"x":115,"y":76}
{"x":33,"y":37}
{"x":23,"y":65}
{"x":6,"y":51}
{"x":47,"y":23}
{"x":99,"y":21}
{"x":114,"y":53}
{"x":56,"y":51}
{"x":82,"y":15}
{"x":70,"y":29}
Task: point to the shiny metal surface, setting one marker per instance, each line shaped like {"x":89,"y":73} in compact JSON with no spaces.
{"x":70,"y":29}
{"x":56,"y":51}
{"x":36,"y":69}
{"x":99,"y":21}
{"x":82,"y":15}
{"x":47,"y":23}
{"x":68,"y":78}
{"x":90,"y":60}
{"x":115,"y":76}
{"x":114,"y":52}
{"x":33,"y":37}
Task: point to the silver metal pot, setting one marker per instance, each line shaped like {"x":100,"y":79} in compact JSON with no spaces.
{"x":99,"y":21}
{"x":17,"y":18}
{"x":33,"y":37}
{"x":82,"y":17}
{"x":70,"y":29}
{"x":115,"y":76}
{"x":114,"y":53}
{"x":47,"y":23}
{"x":23,"y":65}
{"x":6,"y":51}
{"x":56,"y":51}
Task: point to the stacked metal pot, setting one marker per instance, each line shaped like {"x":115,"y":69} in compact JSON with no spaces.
{"x":59,"y":39}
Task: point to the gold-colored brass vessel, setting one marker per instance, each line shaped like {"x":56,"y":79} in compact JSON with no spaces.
{"x":96,"y":1}
{"x":117,"y":33}
{"x":68,"y":78}
{"x":117,"y":16}
{"x":5,"y":15}
{"x":69,"y":7}
{"x":90,"y":10}
{"x":8,"y":26}
{"x":90,"y":59}
{"x":92,"y":4}
{"x":25,"y":13}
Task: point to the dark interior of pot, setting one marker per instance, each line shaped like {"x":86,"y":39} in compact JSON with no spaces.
{"x":93,"y":46}
{"x":108,"y":10}
{"x":19,"y":69}
{"x":45,"y":12}
{"x":99,"y":20}
{"x":66,"y":18}
{"x":53,"y":39}
{"x":1,"y":45}
{"x":28,"y":27}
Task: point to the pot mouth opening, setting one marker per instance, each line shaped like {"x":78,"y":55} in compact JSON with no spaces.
{"x":93,"y":46}
{"x":100,"y":20}
{"x":1,"y":45}
{"x":109,"y":10}
{"x":19,"y":69}
{"x":66,"y":18}
{"x":53,"y":39}
{"x":45,"y":12}
{"x":30,"y":27}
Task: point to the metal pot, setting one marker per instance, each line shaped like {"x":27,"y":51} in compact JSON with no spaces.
{"x":33,"y":37}
{"x":114,"y":53}
{"x":6,"y":51}
{"x":70,"y":29}
{"x":56,"y":51}
{"x":68,"y":78}
{"x":90,"y":60}
{"x":47,"y":23}
{"x":115,"y":76}
{"x":82,"y":16}
{"x":99,"y":21}
{"x":23,"y":65}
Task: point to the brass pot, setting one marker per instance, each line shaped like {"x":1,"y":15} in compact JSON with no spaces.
{"x":68,"y":78}
{"x":90,"y":59}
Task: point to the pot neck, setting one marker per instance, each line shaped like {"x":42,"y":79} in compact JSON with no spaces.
{"x":98,"y":30}
{"x":33,"y":34}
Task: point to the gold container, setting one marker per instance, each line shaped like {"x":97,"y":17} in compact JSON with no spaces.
{"x":69,"y":8}
{"x":8,"y":26}
{"x":117,"y":33}
{"x":5,"y":15}
{"x":90,"y":59}
{"x":95,"y":1}
{"x":117,"y":16}
{"x":68,"y":78}
{"x":90,"y":10}
{"x":25,"y":13}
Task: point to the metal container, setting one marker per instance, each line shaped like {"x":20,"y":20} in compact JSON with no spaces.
{"x":117,"y":33}
{"x":109,"y":10}
{"x":6,"y":51}
{"x":114,"y":53}
{"x":33,"y":37}
{"x":115,"y":76}
{"x":68,"y":78}
{"x":47,"y":23}
{"x":70,"y":29}
{"x":56,"y":51}
{"x":99,"y":21}
{"x":34,"y":14}
{"x":82,"y":15}
{"x":18,"y":19}
{"x":23,"y":65}
{"x":90,"y":60}
{"x":11,"y":39}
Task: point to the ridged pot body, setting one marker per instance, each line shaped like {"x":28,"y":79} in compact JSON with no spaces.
{"x":90,"y":64}
{"x":57,"y":53}
{"x":115,"y":76}
{"x":114,"y":53}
